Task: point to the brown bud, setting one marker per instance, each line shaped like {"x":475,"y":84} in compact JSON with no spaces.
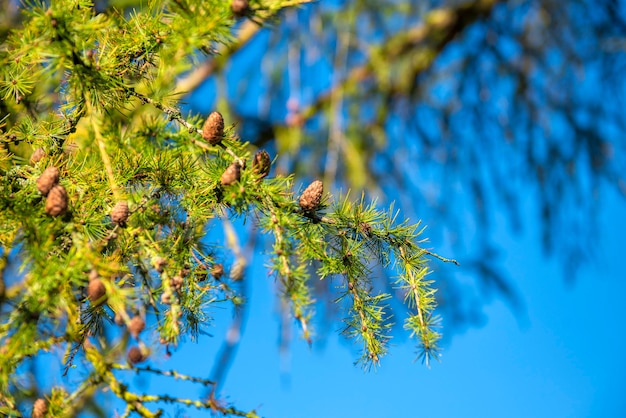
{"x":217,"y":271}
{"x":40,"y":408}
{"x":56,"y":202}
{"x":96,"y":292}
{"x":176,"y":282}
{"x":312,"y":196}
{"x":119,"y":213}
{"x":231,"y":174}
{"x":261,"y":164}
{"x":135,"y":355}
{"x":166,"y":298}
{"x":136,"y":325}
{"x":159,"y":264}
{"x":213,"y":129}
{"x":240,"y":7}
{"x":37,"y":155}
{"x":48,"y":179}
{"x":365,"y":228}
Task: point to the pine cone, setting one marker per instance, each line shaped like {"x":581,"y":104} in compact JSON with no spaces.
{"x":240,"y":8}
{"x":176,"y":282}
{"x":40,"y":407}
{"x":312,"y":196}
{"x":137,"y":324}
{"x":48,"y":179}
{"x":119,"y":213}
{"x":213,"y":129}
{"x":37,"y":155}
{"x":159,"y":264}
{"x":135,"y":355}
{"x":217,"y":271}
{"x":261,"y":164}
{"x":96,"y":292}
{"x":231,"y":174}
{"x":166,"y":298}
{"x":56,"y":202}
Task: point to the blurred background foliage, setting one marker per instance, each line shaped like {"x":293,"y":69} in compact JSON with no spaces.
{"x":454,"y":109}
{"x":457,"y":110}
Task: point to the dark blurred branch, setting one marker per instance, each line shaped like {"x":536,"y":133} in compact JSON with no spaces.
{"x":245,"y":33}
{"x":438,"y":29}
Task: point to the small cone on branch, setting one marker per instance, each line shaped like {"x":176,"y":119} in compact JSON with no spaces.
{"x":312,"y":196}
{"x":177,"y":282}
{"x":48,"y":179}
{"x":56,"y":202}
{"x":217,"y":271}
{"x":240,"y":7}
{"x":166,"y":298}
{"x":40,"y":408}
{"x":37,"y":155}
{"x":261,"y":164}
{"x":136,"y":325}
{"x":96,"y":292}
{"x":231,"y":174}
{"x":135,"y":355}
{"x":120,"y":212}
{"x":159,"y":264}
{"x":213,"y":129}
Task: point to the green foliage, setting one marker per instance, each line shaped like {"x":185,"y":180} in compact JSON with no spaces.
{"x":91,"y":94}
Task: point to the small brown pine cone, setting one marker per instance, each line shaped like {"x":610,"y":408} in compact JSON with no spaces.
{"x":96,"y":292}
{"x":217,"y":271}
{"x":135,"y":355}
{"x":40,"y":407}
{"x":166,"y":298}
{"x":136,"y":325}
{"x":56,"y":202}
{"x":119,"y":213}
{"x":261,"y":164}
{"x":37,"y":155}
{"x":176,"y":282}
{"x":240,"y":8}
{"x":48,"y":179}
{"x":213,"y":129}
{"x":231,"y":174}
{"x":159,"y":264}
{"x":312,"y":196}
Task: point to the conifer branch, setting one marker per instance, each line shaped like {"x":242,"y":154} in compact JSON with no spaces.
{"x":293,"y":280}
{"x":135,"y":240}
{"x":103,"y":153}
